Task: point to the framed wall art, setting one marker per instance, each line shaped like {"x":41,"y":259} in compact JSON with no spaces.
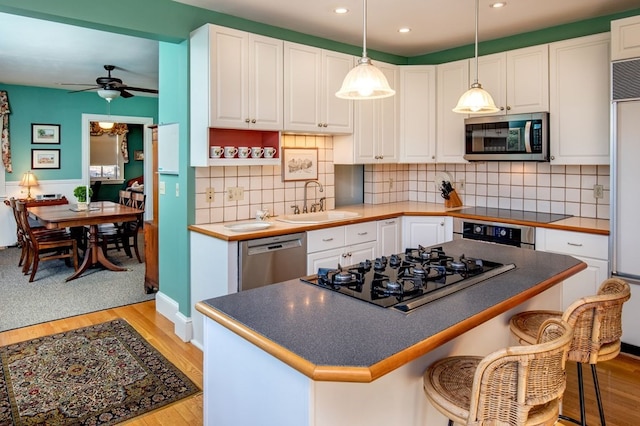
{"x":138,"y":155}
{"x":45,"y":133}
{"x":299,"y":164}
{"x":45,"y":158}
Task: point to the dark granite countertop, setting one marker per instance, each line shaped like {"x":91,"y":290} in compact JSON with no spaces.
{"x":329,"y":336}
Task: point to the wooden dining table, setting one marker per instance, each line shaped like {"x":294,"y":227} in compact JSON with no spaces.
{"x":68,"y":216}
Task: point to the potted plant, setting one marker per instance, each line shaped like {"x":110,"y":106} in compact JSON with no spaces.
{"x":80,"y":192}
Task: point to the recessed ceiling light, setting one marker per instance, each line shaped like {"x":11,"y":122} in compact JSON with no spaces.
{"x":498,"y":4}
{"x":341,"y":10}
{"x":404,"y":30}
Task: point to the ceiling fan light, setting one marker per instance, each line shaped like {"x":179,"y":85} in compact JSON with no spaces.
{"x":476,"y":100}
{"x":365,"y":81}
{"x":108,"y":94}
{"x":106,"y":125}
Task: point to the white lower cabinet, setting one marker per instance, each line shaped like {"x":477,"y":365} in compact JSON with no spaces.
{"x":590,"y":248}
{"x":426,"y":230}
{"x":341,"y":245}
{"x":389,"y":232}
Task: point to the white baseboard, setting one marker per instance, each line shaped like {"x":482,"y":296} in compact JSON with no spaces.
{"x":169,"y":308}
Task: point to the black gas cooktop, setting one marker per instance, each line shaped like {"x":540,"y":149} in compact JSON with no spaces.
{"x":495,"y":213}
{"x":407,"y":280}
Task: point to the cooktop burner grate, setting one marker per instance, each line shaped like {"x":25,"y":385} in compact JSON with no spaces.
{"x":408,"y":280}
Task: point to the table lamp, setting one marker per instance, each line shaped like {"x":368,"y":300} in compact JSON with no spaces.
{"x":29,"y":180}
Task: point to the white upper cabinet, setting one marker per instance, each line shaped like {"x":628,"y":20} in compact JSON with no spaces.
{"x":452,"y":80}
{"x":580,"y":100}
{"x":236,"y":82}
{"x":518,"y":80}
{"x":417,"y":114}
{"x":375,"y":134}
{"x":625,"y":38}
{"x":312,"y":77}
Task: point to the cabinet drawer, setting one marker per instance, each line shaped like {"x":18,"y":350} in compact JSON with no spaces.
{"x":577,"y":243}
{"x":325,"y":239}
{"x":361,"y":233}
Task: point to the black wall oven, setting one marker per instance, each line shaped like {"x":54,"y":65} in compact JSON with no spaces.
{"x":494,"y":232}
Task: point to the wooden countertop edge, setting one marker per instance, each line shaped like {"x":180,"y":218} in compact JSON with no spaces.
{"x":369,"y":374}
{"x":388,"y":215}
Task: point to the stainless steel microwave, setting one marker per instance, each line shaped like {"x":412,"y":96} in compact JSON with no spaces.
{"x":518,"y":137}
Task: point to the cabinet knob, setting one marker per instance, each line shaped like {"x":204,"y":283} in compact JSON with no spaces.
{"x":253,"y":121}
{"x":553,"y":158}
{"x":246,"y":120}
{"x":441,"y":223}
{"x":325,"y":125}
{"x":345,"y":255}
{"x":501,"y":108}
{"x":319,"y":124}
{"x":508,"y":108}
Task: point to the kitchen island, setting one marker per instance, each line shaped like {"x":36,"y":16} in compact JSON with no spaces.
{"x":296,"y":354}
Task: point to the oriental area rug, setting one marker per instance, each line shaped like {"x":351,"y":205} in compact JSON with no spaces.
{"x":98,"y":375}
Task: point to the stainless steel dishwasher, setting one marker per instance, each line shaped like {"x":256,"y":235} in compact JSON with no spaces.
{"x":272,"y":260}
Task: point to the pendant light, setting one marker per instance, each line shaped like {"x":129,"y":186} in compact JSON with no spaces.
{"x":476,"y":100}
{"x":365,"y":81}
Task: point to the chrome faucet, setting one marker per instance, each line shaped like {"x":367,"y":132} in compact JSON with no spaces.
{"x":306,"y":185}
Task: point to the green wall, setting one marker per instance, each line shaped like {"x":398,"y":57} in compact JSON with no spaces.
{"x":177,"y":208}
{"x":53,"y":106}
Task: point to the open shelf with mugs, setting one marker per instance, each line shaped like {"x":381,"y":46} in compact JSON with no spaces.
{"x":235,"y":147}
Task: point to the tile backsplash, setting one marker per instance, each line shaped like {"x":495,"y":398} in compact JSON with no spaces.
{"x":528,"y":186}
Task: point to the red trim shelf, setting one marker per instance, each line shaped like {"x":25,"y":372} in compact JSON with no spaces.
{"x":248,"y":138}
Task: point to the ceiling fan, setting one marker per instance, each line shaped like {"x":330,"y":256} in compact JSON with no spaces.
{"x":112,"y":87}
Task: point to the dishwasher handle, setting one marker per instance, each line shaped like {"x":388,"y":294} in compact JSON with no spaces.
{"x":271,"y":244}
{"x":284,"y":245}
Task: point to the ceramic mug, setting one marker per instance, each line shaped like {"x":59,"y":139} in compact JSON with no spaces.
{"x":269,"y":152}
{"x":256,"y":152}
{"x":216,"y":151}
{"x":244,"y":152}
{"x":230,"y":151}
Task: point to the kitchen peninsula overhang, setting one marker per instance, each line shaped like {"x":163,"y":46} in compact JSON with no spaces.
{"x":327,"y":336}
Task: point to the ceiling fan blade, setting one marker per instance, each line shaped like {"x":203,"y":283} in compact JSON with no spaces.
{"x":125,"y":94}
{"x":140,"y":89}
{"x":85,"y":90}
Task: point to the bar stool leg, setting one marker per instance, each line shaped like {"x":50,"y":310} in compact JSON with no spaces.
{"x":596,"y":385}
{"x":450,"y":422}
{"x":583,"y":416}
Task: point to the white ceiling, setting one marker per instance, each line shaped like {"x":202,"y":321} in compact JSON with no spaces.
{"x":46,"y":54}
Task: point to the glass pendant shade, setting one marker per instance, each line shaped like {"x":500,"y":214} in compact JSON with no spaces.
{"x":476,"y":100}
{"x":106,"y":125}
{"x":365,"y":81}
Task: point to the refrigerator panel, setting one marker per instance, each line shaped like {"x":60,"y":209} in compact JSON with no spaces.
{"x":626,"y":172}
{"x":630,"y":329}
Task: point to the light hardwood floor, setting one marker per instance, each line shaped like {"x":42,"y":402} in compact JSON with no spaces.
{"x":158,"y":331}
{"x":619,"y":378}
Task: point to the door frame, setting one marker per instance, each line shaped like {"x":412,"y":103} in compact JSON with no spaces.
{"x":147,"y":143}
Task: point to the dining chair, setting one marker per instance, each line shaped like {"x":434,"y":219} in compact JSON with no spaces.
{"x":518,"y":385}
{"x":597,"y":324}
{"x":124,"y":234}
{"x":20,"y":232}
{"x":43,"y":246}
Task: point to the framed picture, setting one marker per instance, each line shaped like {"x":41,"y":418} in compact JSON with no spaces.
{"x":45,"y":133}
{"x":138,"y":155}
{"x":45,"y":158}
{"x":299,"y":164}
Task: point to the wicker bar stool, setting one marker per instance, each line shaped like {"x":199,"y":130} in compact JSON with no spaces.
{"x":518,"y":385}
{"x":597,"y":324}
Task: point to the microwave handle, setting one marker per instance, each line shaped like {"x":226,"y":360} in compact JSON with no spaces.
{"x":527,"y":136}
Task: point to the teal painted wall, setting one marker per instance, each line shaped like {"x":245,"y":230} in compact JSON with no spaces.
{"x":53,"y":106}
{"x":176,"y":211}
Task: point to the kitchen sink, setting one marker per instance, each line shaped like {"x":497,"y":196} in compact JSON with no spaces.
{"x":318,"y":217}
